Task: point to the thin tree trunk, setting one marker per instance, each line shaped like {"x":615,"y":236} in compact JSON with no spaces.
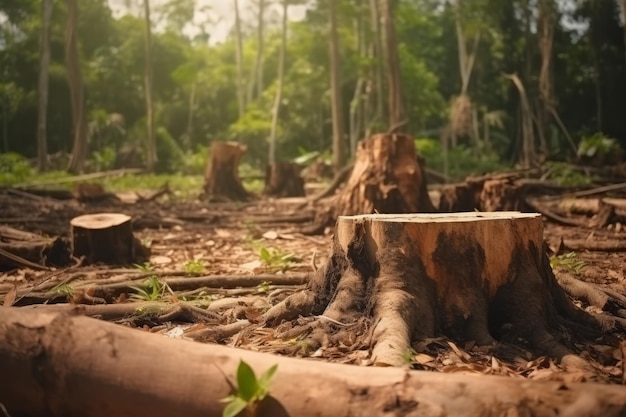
{"x":44,"y":66}
{"x":75,"y":80}
{"x":241,"y":95}
{"x":377,"y":55}
{"x":546,"y":37}
{"x":192,"y":103}
{"x":281,"y":81}
{"x":256,"y":80}
{"x":152,"y":155}
{"x":397,"y":114}
{"x":356,"y":104}
{"x":339,"y":157}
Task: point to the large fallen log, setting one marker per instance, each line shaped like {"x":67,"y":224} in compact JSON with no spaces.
{"x":62,"y":365}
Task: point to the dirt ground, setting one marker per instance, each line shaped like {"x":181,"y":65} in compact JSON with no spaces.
{"x":192,"y":239}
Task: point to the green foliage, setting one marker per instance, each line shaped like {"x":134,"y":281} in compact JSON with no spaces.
{"x":566,"y":175}
{"x":408,"y":356}
{"x":193,"y":267}
{"x":597,"y":145}
{"x":103,"y":159}
{"x":64,"y":288}
{"x":151,"y":290}
{"x":276,"y":259}
{"x":14,"y":168}
{"x":462,"y":161}
{"x":250,"y":390}
{"x":568,"y":261}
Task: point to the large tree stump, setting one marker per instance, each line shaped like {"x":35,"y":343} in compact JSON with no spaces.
{"x":106,"y":238}
{"x":222,"y":174}
{"x":395,"y":279}
{"x":282,"y":179}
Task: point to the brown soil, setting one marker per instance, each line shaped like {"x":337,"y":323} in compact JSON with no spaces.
{"x":260,"y":239}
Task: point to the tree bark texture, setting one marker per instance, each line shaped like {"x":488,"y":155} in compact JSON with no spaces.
{"x":71,"y":366}
{"x":386,"y":178}
{"x":75,"y":81}
{"x":222,"y":174}
{"x":281,"y":81}
{"x":283,"y":179}
{"x":151,"y":145}
{"x":397,"y":113}
{"x":396,"y":279}
{"x":44,"y":67}
{"x":339,"y":152}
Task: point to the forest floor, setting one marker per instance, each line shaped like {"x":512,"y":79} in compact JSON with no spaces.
{"x":257,"y":250}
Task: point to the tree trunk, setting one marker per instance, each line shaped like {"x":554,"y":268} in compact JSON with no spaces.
{"x":281,"y":82}
{"x":104,"y":237}
{"x":44,"y":66}
{"x":546,"y":37}
{"x":109,"y":373}
{"x":528,"y":153}
{"x":397,"y":114}
{"x":283,"y":179}
{"x":256,"y":80}
{"x":396,"y":279}
{"x":222,"y":174}
{"x":377,"y":55}
{"x":75,"y":81}
{"x":386,"y":178}
{"x":151,"y":145}
{"x":241,"y":88}
{"x":339,"y":153}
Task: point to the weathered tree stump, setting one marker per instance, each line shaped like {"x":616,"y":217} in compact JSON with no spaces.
{"x":386,"y":178}
{"x":106,"y":238}
{"x":222,"y":174}
{"x":395,"y":279}
{"x":282,"y":179}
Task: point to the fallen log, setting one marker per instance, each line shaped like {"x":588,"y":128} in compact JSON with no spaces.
{"x":62,"y":365}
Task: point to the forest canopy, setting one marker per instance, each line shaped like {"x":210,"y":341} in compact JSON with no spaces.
{"x":474,"y":75}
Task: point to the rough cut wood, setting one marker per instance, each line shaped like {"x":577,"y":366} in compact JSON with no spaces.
{"x":283,"y":179}
{"x":103,"y":237}
{"x":62,"y":365}
{"x":396,"y":279}
{"x":222,"y":180}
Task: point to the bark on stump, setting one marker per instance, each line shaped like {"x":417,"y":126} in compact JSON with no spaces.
{"x":222,"y":174}
{"x":282,"y":179}
{"x":396,"y":279}
{"x":386,"y":178}
{"x":104,"y":237}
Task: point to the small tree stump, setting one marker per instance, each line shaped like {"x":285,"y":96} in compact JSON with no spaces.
{"x":386,"y":179}
{"x":222,"y":174}
{"x":282,"y":179}
{"x":103,"y":237}
{"x":481,"y":277}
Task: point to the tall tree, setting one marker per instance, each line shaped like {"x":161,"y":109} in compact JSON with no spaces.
{"x":77,"y":94}
{"x":241,"y":95}
{"x":545,"y":26}
{"x":151,"y":142}
{"x":44,"y":66}
{"x":256,"y":80}
{"x":339,"y":155}
{"x":376,"y":55}
{"x":281,"y":82}
{"x":397,"y":116}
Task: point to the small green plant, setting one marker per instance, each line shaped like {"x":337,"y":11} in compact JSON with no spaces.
{"x":152,"y":290}
{"x":276,"y":259}
{"x":568,"y":261}
{"x":408,"y":356}
{"x":193,"y":267}
{"x":566,"y":175}
{"x":64,"y":288}
{"x":144,"y":267}
{"x":263,"y":287}
{"x":250,"y":390}
{"x":597,"y":145}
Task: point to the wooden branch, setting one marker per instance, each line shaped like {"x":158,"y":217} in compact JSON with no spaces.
{"x":72,"y":366}
{"x":597,"y":246}
{"x":84,"y":177}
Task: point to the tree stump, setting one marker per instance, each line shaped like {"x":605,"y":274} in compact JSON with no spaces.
{"x":222,"y":174}
{"x":282,"y":179}
{"x":386,"y":178}
{"x":106,"y":238}
{"x":396,"y":279}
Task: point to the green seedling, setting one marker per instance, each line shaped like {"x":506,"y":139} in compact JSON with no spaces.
{"x":276,"y":259}
{"x":65,"y":289}
{"x":263,"y":287}
{"x":568,"y":261}
{"x":408,"y":356}
{"x":152,"y":290}
{"x":144,"y":267}
{"x":193,"y":267}
{"x":250,"y":390}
